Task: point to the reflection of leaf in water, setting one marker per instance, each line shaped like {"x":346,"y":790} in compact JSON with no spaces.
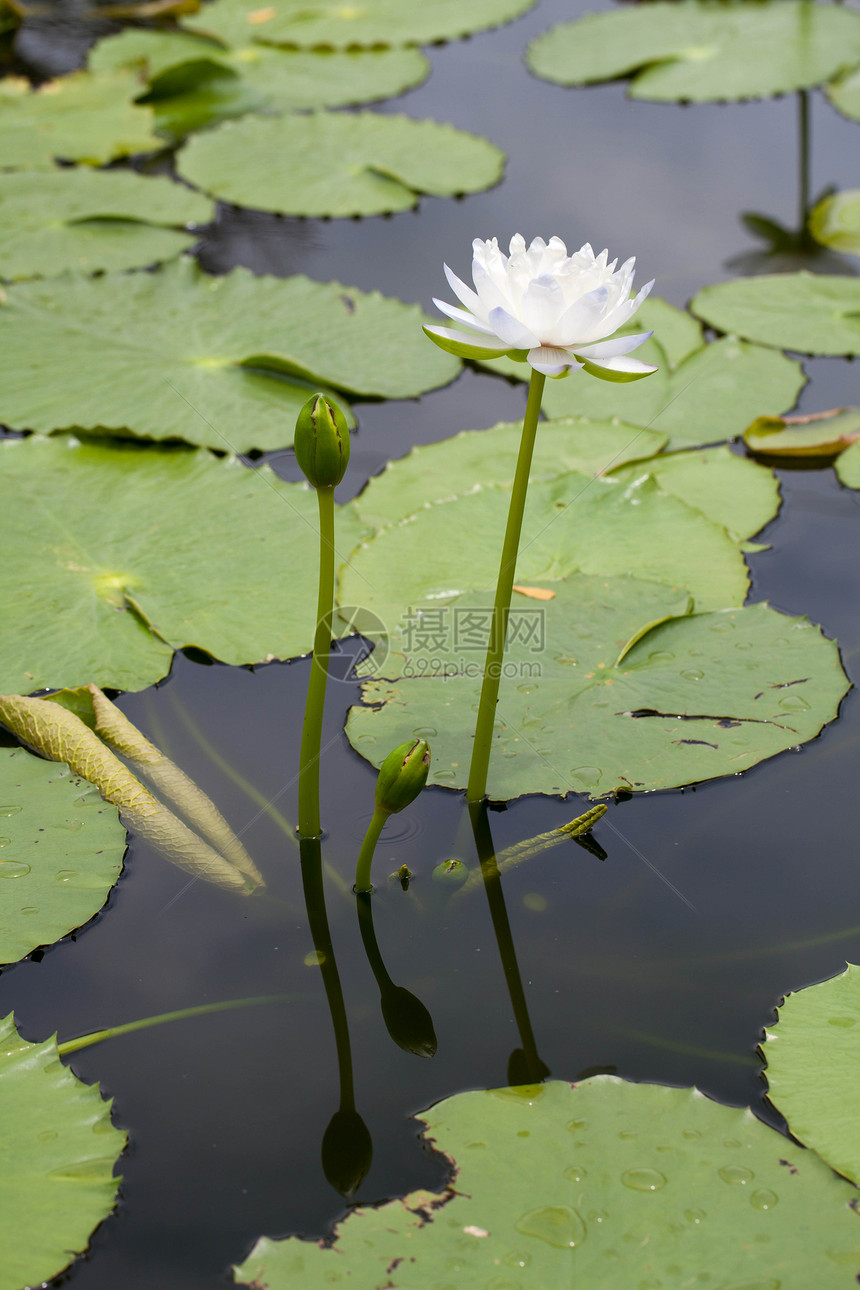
{"x":62,"y":736}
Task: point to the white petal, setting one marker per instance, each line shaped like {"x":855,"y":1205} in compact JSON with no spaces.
{"x":514,"y":333}
{"x":464,"y":294}
{"x":612,"y":348}
{"x":551,"y":361}
{"x":463,"y":316}
{"x":542,"y":306}
{"x":583,"y":317}
{"x":629,"y":366}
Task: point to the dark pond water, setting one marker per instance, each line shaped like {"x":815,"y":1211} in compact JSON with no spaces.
{"x":663,"y":961}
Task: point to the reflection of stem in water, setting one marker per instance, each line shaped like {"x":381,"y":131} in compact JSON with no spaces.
{"x":803,"y":162}
{"x":406,"y":1019}
{"x":524,"y":1066}
{"x":346,"y":1149}
{"x":258,"y":798}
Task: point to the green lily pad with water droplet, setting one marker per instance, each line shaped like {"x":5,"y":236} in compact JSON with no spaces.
{"x":573,"y":523}
{"x":812,"y":1053}
{"x":336,"y":163}
{"x":806,"y":312}
{"x":92,"y":220}
{"x":699,"y":51}
{"x":56,"y":1168}
{"x":195,"y":82}
{"x":341,"y":24}
{"x":75,"y":118}
{"x":163,"y":548}
{"x":590,"y":704}
{"x":227,"y":362}
{"x":61,"y":850}
{"x":598,"y":1184}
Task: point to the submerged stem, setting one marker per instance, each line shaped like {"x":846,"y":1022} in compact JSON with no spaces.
{"x":99,"y":1036}
{"x":309,"y":763}
{"x":501,"y":609}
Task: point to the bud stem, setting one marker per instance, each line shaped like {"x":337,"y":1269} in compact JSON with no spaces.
{"x":482,"y":746}
{"x":309,"y":756}
{"x":368,"y":846}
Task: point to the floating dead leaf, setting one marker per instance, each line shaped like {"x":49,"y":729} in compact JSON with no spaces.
{"x":821,"y":434}
{"x":536,"y":593}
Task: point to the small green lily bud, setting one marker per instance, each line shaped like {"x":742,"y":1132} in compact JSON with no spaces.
{"x":322,"y":442}
{"x":402,"y":776}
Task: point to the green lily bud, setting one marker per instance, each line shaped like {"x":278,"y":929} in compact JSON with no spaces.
{"x":402,"y":776}
{"x":452,"y":872}
{"x":322,"y":442}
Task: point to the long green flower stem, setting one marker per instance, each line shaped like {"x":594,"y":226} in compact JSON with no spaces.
{"x":368,"y":846}
{"x":482,"y":747}
{"x":309,"y":756}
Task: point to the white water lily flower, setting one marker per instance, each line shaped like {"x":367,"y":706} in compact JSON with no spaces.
{"x":554,"y":310}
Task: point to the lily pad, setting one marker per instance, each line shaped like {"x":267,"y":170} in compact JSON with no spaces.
{"x":711,"y":395}
{"x":336,"y":25}
{"x":162,"y":548}
{"x":699,"y":51}
{"x":824,"y":434}
{"x":59,"y":1152}
{"x":812,"y":1054}
{"x":61,"y":850}
{"x":807,"y":312}
{"x":731,"y":490}
{"x":92,"y":220}
{"x":195,"y":82}
{"x":573,"y":523}
{"x":591,"y":702}
{"x":848,"y":466}
{"x":77,"y":118}
{"x":554,"y":1184}
{"x":333,"y":163}
{"x":835,"y":221}
{"x":844,"y":94}
{"x":224,"y":361}
{"x":437,"y":472}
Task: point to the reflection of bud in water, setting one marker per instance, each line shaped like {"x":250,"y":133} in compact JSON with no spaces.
{"x":451,"y":872}
{"x":408,"y":1022}
{"x":402,"y":775}
{"x":347,"y":1151}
